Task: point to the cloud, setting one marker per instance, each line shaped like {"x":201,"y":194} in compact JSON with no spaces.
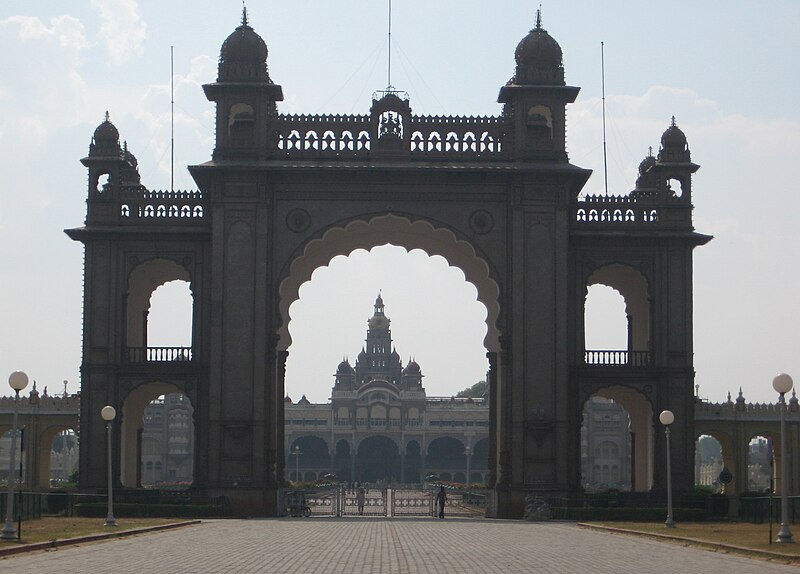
{"x":122,"y":30}
{"x":68,"y":31}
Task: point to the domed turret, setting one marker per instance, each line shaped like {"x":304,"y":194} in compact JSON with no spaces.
{"x":345,"y":368}
{"x":648,"y":178}
{"x":105,"y":141}
{"x":412,"y":368}
{"x":379,"y":320}
{"x":539,"y":58}
{"x":243,"y":56}
{"x":287,"y":399}
{"x":673,"y":145}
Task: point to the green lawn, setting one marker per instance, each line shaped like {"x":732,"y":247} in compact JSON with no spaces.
{"x":59,"y":528}
{"x":745,"y":535}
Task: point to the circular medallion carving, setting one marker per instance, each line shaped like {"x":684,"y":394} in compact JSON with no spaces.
{"x":481,"y":222}
{"x":298,"y":220}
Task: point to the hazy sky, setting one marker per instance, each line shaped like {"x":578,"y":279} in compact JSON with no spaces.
{"x":726,"y":70}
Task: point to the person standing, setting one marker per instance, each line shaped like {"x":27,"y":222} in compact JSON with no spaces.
{"x":360,"y":499}
{"x":441,"y":499}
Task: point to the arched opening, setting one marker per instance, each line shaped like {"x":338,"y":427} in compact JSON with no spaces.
{"x":308,"y":456}
{"x":606,"y":455}
{"x":157,"y":437}
{"x":343,"y":461}
{"x":446,"y":455}
{"x":378,"y":460}
{"x":172,"y":314}
{"x":633,"y":287}
{"x":413,"y":463}
{"x":403,"y":249}
{"x":759,"y":456}
{"x":605,"y":319}
{"x":59,"y":457}
{"x":708,"y":462}
{"x":638,"y":473}
{"x":5,"y":454}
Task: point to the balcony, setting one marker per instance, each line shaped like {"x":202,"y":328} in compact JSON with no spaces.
{"x":610,"y":358}
{"x":140,"y":355}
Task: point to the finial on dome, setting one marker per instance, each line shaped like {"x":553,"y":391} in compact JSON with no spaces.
{"x":673,"y":124}
{"x":125,"y":146}
{"x":244,"y":14}
{"x":650,"y":151}
{"x":539,"y":17}
{"x":107,"y":117}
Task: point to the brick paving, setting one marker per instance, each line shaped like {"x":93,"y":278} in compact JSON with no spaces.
{"x":396,"y":546}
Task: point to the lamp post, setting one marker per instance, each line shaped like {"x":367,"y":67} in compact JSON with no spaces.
{"x":297,"y":454}
{"x":18,"y":381}
{"x":783,"y":384}
{"x":667,"y":418}
{"x":108,"y":413}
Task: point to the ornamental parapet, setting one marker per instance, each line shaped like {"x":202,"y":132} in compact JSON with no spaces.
{"x":648,"y":210}
{"x":452,"y":138}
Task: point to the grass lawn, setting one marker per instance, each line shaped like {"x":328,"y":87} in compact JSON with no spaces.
{"x":61,"y":527}
{"x":746,"y":535}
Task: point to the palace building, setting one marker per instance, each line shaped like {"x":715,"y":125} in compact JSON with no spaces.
{"x":380,"y":425}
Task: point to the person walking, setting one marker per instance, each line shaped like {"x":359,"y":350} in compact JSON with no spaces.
{"x":441,"y":499}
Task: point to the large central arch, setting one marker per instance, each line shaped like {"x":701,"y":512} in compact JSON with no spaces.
{"x":376,"y":230}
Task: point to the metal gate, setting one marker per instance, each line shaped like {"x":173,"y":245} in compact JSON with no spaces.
{"x":399,"y":502}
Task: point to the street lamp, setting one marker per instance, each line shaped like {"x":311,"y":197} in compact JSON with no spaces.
{"x":297,"y":454}
{"x":18,"y":381}
{"x":109,"y":413}
{"x":783,"y":384}
{"x":667,"y":418}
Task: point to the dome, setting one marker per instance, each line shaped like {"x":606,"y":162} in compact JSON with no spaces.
{"x":648,"y":162}
{"x":539,"y":58}
{"x":673,"y":138}
{"x":673,"y":145}
{"x":412,"y":368}
{"x":379,"y":322}
{"x":287,"y":399}
{"x":303,"y":401}
{"x":105,"y":141}
{"x":243,"y":55}
{"x":106,"y":132}
{"x":345,"y":368}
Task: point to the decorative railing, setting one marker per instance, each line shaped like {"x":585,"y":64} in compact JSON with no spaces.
{"x":140,"y":205}
{"x":611,"y":358}
{"x":619,"y":209}
{"x":355,"y":137}
{"x":159,"y":354}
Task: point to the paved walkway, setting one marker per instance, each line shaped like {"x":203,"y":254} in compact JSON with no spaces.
{"x":357,"y":545}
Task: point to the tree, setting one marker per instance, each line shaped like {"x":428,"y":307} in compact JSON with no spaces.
{"x":476,"y":391}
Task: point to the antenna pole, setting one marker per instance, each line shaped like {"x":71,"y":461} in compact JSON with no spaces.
{"x":603,"y":89}
{"x":389,"y":72}
{"x":172,"y":118}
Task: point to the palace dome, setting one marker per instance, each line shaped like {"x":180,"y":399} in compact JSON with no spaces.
{"x":539,"y":58}
{"x":243,"y":55}
{"x":673,"y":138}
{"x":412,"y":368}
{"x":345,"y":368}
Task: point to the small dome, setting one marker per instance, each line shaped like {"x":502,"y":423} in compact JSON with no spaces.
{"x":412,"y":368}
{"x":648,"y":162}
{"x":539,"y":58}
{"x":673,"y":145}
{"x":287,"y":399}
{"x":243,"y":55}
{"x":106,"y":132}
{"x":105,"y":141}
{"x":395,"y":354}
{"x":303,"y":401}
{"x":345,"y":368}
{"x":673,"y":138}
{"x":362,"y":355}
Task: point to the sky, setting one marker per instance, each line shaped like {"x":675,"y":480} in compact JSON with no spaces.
{"x":725,"y":70}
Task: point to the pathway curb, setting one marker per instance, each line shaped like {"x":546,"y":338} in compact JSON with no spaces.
{"x":51,"y":544}
{"x":793,"y":558}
